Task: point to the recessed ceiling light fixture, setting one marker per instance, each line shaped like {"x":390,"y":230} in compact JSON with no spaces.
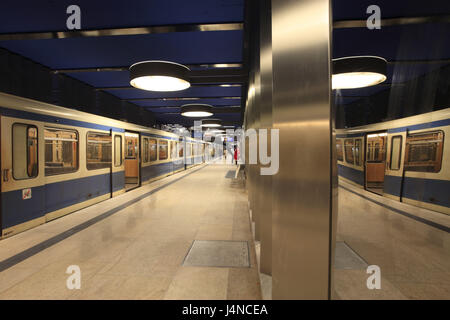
{"x":358,"y":72}
{"x":211,"y":123}
{"x":196,"y":110}
{"x":159,"y":76}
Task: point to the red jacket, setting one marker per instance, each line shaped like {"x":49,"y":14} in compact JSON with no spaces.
{"x":235,"y":154}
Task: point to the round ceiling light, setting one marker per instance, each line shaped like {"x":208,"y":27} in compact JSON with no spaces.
{"x":196,"y":110}
{"x":211,"y":123}
{"x":358,"y":72}
{"x":159,"y":76}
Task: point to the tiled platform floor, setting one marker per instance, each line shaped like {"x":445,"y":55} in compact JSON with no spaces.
{"x":138,"y":252}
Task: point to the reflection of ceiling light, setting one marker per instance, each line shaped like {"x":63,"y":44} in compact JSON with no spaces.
{"x":377,"y":135}
{"x":159,"y":76}
{"x":358,"y":72}
{"x":196,"y":110}
{"x":211,"y":123}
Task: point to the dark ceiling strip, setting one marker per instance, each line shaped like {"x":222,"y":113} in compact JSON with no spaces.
{"x":193,"y":85}
{"x":392,"y":21}
{"x":220,"y":66}
{"x":419,"y":61}
{"x":215,"y":108}
{"x":218,"y":80}
{"x":121,"y":31}
{"x":180,"y":98}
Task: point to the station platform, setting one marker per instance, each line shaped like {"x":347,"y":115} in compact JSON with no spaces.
{"x":409,"y":244}
{"x":186,"y":236}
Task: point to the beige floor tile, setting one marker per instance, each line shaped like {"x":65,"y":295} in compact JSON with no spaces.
{"x":199,"y":283}
{"x":243,"y":284}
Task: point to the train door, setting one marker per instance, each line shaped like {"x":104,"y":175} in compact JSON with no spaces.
{"x":393,"y":178}
{"x":118,"y":165}
{"x":22,"y":175}
{"x":132,"y":174}
{"x":375,"y":161}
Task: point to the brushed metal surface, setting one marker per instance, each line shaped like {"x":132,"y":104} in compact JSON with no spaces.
{"x":302,"y":202}
{"x":257,"y":191}
{"x":121,"y":31}
{"x":265,"y":120}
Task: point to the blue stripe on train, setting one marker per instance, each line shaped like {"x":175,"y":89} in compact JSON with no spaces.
{"x":51,"y":197}
{"x":156,"y":170}
{"x":392,"y":185}
{"x":15,"y":210}
{"x":351,"y":174}
{"x":118,"y":180}
{"x":427,"y":190}
{"x":428,"y":125}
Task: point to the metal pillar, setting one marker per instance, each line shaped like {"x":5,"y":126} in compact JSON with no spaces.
{"x":302,"y":190}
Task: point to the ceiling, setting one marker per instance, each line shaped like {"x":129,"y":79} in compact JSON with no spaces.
{"x":412,"y":47}
{"x":208,"y":36}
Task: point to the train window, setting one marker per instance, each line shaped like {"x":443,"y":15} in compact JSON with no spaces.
{"x":61,"y":151}
{"x":145,"y":151}
{"x":117,"y":150}
{"x":424,"y":151}
{"x":98,"y":151}
{"x":153,"y":150}
{"x":163,"y":148}
{"x":396,"y":152}
{"x":25,"y":142}
{"x":357,"y":151}
{"x":348,"y":146}
{"x":188,"y":149}
{"x":180,"y":149}
{"x":339,"y":150}
{"x":173,"y":150}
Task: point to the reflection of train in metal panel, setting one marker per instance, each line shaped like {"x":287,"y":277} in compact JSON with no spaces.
{"x":56,"y":160}
{"x":407,"y":159}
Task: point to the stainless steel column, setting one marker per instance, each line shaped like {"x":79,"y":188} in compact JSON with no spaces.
{"x":265,"y":122}
{"x":302,"y":202}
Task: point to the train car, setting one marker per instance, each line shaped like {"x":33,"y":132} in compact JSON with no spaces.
{"x":57,"y":160}
{"x":407,"y":159}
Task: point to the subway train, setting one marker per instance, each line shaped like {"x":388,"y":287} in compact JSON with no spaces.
{"x":56,"y":160}
{"x":406,"y":159}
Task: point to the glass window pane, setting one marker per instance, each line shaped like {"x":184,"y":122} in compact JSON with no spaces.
{"x":349,"y":151}
{"x":357,"y":152}
{"x":145,"y":150}
{"x":424,"y":152}
{"x":117,"y":150}
{"x":163,"y":148}
{"x":153,"y":150}
{"x":188,"y":149}
{"x":173,"y":150}
{"x":98,"y":152}
{"x":339,"y":150}
{"x":25,"y":151}
{"x":180,"y":149}
{"x":61,"y":151}
{"x":396,"y":147}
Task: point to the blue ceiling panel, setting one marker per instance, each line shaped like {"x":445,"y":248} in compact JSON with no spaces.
{"x":356,"y":9}
{"x":192,"y":92}
{"x":345,"y":100}
{"x":103,"y":79}
{"x":181,"y":47}
{"x":168,"y":103}
{"x":38,"y":16}
{"x":406,"y":42}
